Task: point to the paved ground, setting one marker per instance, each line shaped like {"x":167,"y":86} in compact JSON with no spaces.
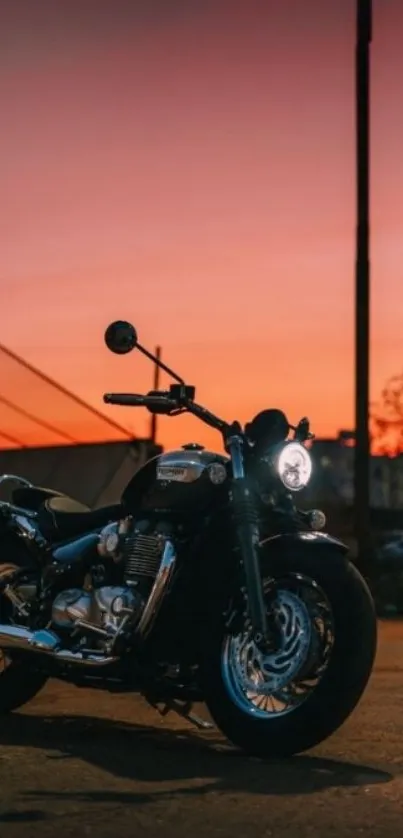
{"x":81,"y":763}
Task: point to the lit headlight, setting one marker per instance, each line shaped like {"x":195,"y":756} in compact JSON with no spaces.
{"x":294,"y":466}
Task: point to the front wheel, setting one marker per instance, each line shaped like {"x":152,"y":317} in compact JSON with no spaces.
{"x":287,"y":701}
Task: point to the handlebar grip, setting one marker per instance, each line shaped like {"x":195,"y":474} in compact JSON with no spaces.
{"x":130,"y":399}
{"x":157,"y":403}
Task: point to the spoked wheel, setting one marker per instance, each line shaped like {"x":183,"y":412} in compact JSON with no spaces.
{"x":287,"y":699}
{"x":276,"y":682}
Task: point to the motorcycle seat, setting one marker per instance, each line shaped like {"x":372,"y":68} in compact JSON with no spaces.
{"x":61,"y":517}
{"x":32,"y":497}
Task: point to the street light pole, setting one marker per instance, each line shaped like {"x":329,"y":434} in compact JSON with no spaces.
{"x":362,"y":280}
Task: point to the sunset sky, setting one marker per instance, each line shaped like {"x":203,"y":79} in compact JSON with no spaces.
{"x":189,"y":166}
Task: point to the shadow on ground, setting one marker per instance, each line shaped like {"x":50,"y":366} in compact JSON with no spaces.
{"x":27,"y":816}
{"x":151,"y":754}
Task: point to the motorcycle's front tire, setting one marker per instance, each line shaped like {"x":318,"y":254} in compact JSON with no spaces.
{"x":342,"y":685}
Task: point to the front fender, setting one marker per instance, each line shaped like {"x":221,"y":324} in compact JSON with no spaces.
{"x":300,"y":542}
{"x":292,"y":552}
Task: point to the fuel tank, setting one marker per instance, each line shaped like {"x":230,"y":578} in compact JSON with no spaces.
{"x":178,"y":481}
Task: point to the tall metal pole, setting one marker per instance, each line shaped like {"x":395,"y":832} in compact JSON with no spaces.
{"x":362,"y":280}
{"x":156,"y":382}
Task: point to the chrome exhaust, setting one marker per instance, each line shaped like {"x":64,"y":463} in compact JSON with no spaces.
{"x":46,"y":642}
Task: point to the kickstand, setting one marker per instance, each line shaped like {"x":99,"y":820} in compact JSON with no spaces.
{"x":183,"y":709}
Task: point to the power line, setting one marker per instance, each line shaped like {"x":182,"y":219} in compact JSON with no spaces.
{"x":12,"y":439}
{"x":42,"y":422}
{"x":64,"y":390}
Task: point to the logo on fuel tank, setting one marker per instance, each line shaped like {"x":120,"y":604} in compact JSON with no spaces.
{"x":172,"y":473}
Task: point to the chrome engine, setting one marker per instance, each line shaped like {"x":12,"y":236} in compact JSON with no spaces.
{"x":103,"y":607}
{"x":147,"y":559}
{"x":102,"y":610}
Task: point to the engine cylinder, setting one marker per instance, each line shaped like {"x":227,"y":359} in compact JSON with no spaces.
{"x":142,"y":557}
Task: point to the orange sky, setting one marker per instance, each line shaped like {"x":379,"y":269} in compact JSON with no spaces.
{"x":193,"y":171}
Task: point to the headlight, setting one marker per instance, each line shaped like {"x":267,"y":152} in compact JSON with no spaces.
{"x":294,"y":466}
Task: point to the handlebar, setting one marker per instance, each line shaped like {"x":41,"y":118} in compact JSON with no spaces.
{"x":135,"y":400}
{"x":164,"y":403}
{"x":124,"y":398}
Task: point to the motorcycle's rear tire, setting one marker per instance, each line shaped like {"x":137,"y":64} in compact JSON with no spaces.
{"x":18,"y":686}
{"x":19,"y":683}
{"x":342,"y":685}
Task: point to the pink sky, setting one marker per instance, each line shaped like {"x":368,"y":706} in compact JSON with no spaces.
{"x":194,"y":171}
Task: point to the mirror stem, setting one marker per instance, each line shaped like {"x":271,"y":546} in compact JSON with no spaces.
{"x":159,"y":363}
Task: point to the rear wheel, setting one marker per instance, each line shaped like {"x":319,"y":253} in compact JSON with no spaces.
{"x":18,"y":682}
{"x":288,"y":700}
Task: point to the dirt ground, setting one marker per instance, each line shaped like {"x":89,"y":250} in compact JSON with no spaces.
{"x":80,"y":763}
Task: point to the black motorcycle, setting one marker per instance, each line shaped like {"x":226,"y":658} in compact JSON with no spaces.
{"x":204,"y":584}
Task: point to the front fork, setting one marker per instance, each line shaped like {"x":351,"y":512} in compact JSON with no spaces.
{"x":247,"y":535}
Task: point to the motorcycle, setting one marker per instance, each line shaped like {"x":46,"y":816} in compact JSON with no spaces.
{"x":205,"y":583}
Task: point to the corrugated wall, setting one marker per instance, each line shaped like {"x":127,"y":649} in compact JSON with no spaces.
{"x":93,"y":474}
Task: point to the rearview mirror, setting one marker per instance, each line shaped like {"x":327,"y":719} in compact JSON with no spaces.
{"x":121,"y":337}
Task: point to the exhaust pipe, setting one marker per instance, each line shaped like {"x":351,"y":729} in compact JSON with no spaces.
{"x":46,"y":642}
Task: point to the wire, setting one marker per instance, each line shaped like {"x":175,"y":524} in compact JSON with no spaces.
{"x":32,"y":418}
{"x":65,"y":391}
{"x":12,"y":439}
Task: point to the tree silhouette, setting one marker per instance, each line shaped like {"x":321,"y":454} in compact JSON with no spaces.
{"x":386,"y":418}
